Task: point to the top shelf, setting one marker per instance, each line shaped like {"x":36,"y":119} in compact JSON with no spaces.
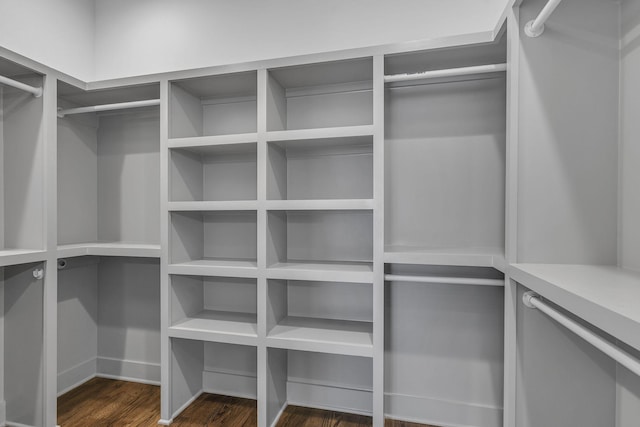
{"x":605,"y":296}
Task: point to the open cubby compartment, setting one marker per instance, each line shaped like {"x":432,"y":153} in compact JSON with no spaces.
{"x":205,"y":367}
{"x":444,"y":347}
{"x":22,"y":163}
{"x":318,"y":380}
{"x":332,"y":317}
{"x":559,"y":372}
{"x":214,"y":173}
{"x":331,"y":168}
{"x":321,"y":241}
{"x":108,"y":320}
{"x":215,"y":238}
{"x":214,"y":308}
{"x":445,"y":145}
{"x":21,"y":360}
{"x":321,"y":95}
{"x":109,"y":168}
{"x":214,"y":105}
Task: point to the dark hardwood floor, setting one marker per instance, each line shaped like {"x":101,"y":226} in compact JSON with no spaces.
{"x":101,"y":402}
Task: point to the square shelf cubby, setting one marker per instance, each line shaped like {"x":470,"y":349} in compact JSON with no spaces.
{"x":213,"y":240}
{"x":337,"y":244}
{"x":219,"y":309}
{"x":329,"y":168}
{"x":331,"y":317}
{"x":222,"y":104}
{"x":324,"y":95}
{"x":214,"y":173}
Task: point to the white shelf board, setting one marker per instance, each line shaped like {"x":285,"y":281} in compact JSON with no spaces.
{"x":320,"y":133}
{"x":232,"y":205}
{"x":323,"y":335}
{"x":358,"y":272}
{"x":216,"y":267}
{"x":218,"y":326}
{"x":213,"y":141}
{"x":21,"y":256}
{"x":471,"y":257}
{"x":123,"y":249}
{"x":320,"y":205}
{"x":605,"y":296}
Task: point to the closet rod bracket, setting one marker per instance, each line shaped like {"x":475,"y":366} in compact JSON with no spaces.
{"x":527,"y":297}
{"x":532,"y":31}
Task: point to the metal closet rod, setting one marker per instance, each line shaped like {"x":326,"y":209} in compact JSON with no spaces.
{"x":36,"y":91}
{"x":445,"y":280}
{"x":533,"y":300}
{"x":535,"y":27}
{"x":450,"y":72}
{"x":108,"y":107}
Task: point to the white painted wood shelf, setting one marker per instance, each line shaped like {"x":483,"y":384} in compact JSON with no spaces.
{"x":471,"y":257}
{"x":324,"y":205}
{"x":221,"y":141}
{"x":216,"y":267}
{"x":21,"y":256}
{"x":358,"y":272}
{"x":321,"y":133}
{"x":233,"y":205}
{"x":123,"y":249}
{"x":323,"y":335}
{"x":218,"y":326}
{"x":605,"y":296}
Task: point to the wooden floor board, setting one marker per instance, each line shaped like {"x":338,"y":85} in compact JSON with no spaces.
{"x":109,"y":403}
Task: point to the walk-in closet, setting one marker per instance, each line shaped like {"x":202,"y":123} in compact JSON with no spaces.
{"x":209,"y":221}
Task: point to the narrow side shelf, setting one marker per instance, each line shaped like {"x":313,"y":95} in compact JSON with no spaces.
{"x":21,"y":256}
{"x":352,"y":272}
{"x":218,"y":326}
{"x":323,"y":335}
{"x":471,"y":257}
{"x":605,"y":296}
{"x":216,"y":267}
{"x":123,"y":249}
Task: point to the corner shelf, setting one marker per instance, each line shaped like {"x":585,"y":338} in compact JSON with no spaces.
{"x":323,"y":335}
{"x":123,"y":249}
{"x":605,"y":296}
{"x":218,"y":326}
{"x":21,"y":256}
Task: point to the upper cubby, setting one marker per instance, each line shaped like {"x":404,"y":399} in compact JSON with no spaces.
{"x":22,"y":166}
{"x":109,"y":169}
{"x":214,"y":105}
{"x":324,"y":95}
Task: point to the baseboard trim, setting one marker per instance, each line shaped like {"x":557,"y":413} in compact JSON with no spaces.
{"x":128,"y":370}
{"x":230,"y":384}
{"x":330,"y":398}
{"x":76,"y":375}
{"x":440,"y":412}
{"x":162,"y":422}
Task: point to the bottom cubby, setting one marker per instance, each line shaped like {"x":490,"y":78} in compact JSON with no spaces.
{"x":317,"y":380}
{"x":199,"y":367}
{"x":444,"y":345}
{"x":22,"y":358}
{"x":108,"y":320}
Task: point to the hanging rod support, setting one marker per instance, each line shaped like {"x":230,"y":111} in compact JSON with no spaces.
{"x":109,"y":107}
{"x":36,"y":91}
{"x":533,"y":300}
{"x":450,"y":72}
{"x":535,"y":27}
{"x":444,"y":280}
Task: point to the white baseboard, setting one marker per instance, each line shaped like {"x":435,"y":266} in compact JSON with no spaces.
{"x":11,"y":424}
{"x":128,"y":370}
{"x":76,"y":375}
{"x":330,"y":398}
{"x":228,"y":384}
{"x":445,"y":413}
{"x":162,"y":422}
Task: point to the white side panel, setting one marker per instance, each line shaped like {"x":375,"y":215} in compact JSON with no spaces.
{"x":129,"y":177}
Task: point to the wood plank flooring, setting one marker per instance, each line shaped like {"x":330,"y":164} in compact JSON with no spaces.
{"x":109,"y":403}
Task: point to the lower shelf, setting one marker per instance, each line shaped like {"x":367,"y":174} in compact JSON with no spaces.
{"x":359,"y":272}
{"x":218,"y":326}
{"x":323,"y":335}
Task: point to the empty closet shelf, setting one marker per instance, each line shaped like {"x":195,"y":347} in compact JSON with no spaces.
{"x":21,"y":256}
{"x":471,"y":257}
{"x":216,"y":267}
{"x":605,"y":296}
{"x":325,"y":205}
{"x":217,"y":326}
{"x":221,"y":141}
{"x":123,"y":249}
{"x":320,"y":133}
{"x":232,"y":205}
{"x":323,"y":335}
{"x":359,"y":272}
